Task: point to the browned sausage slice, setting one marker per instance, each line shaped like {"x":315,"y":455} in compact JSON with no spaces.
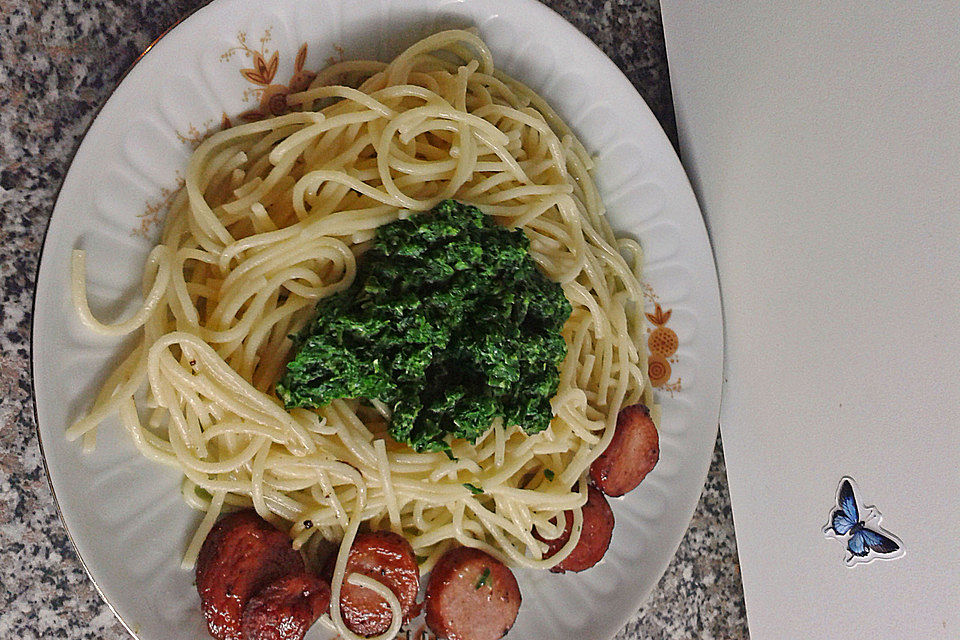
{"x":241,"y":555}
{"x":594,"y":538}
{"x":631,"y":455}
{"x":286,"y":608}
{"x":471,"y":596}
{"x":388,"y":558}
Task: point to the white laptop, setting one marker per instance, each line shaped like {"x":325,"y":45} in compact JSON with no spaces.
{"x":823,"y":140}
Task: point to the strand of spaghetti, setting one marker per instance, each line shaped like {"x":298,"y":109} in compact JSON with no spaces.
{"x":337,"y":580}
{"x":339,"y":511}
{"x":266,"y":263}
{"x":401,"y":64}
{"x":191,"y":496}
{"x":580,"y":295}
{"x":385,"y":477}
{"x":314,"y":179}
{"x":225,"y":465}
{"x":368,"y":101}
{"x":152,"y":447}
{"x":256,"y":481}
{"x":362,"y":580}
{"x":409,"y":119}
{"x":519,"y":514}
{"x":198,"y":206}
{"x":177,"y":401}
{"x":294,"y":144}
{"x":101,"y":410}
{"x":259,"y":333}
{"x":529,"y":117}
{"x":368,"y":67}
{"x":276,"y":176}
{"x":158,"y":259}
{"x":244,"y":400}
{"x":193,"y":549}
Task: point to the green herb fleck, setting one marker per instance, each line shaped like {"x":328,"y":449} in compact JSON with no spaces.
{"x":484,"y":577}
{"x":450,"y":454}
{"x":475,"y":490}
{"x":449,"y":322}
{"x":549,"y":474}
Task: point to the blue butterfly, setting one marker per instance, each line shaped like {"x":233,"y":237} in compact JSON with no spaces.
{"x":863,"y":543}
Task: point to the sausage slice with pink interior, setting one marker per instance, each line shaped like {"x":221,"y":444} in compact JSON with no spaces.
{"x":631,"y":455}
{"x":471,"y":596}
{"x":594,"y":538}
{"x":286,"y":608}
{"x":387,"y":558}
{"x":241,"y":555}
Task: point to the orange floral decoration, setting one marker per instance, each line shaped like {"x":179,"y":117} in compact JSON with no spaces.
{"x":658,"y":369}
{"x":662,"y":343}
{"x":273,"y":96}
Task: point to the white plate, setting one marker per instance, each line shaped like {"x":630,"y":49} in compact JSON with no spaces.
{"x":125,"y":514}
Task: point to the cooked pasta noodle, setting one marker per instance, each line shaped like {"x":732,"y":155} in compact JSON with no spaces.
{"x":273,"y":217}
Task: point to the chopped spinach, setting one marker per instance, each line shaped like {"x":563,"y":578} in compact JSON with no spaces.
{"x":484,"y":577}
{"x":474,"y":489}
{"x":449,"y":322}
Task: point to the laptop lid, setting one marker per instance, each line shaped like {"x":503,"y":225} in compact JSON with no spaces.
{"x":823,"y":140}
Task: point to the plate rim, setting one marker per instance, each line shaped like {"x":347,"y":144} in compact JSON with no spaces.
{"x":33,"y":312}
{"x":642,"y":596}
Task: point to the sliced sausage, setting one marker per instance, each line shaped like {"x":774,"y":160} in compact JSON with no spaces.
{"x":286,"y":608}
{"x":471,"y":596}
{"x":241,"y":555}
{"x":631,"y":455}
{"x":388,"y":558}
{"x":594,"y":537}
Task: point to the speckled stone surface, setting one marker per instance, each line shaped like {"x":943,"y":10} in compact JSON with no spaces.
{"x":58,"y":63}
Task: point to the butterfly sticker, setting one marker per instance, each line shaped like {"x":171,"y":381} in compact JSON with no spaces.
{"x":859,"y":526}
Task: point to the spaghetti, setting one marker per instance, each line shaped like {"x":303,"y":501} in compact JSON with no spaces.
{"x":273,"y":217}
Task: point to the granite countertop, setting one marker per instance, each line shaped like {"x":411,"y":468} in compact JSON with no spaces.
{"x":59,"y":61}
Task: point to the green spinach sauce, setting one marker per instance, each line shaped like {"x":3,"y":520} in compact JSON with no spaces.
{"x":449,"y":322}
